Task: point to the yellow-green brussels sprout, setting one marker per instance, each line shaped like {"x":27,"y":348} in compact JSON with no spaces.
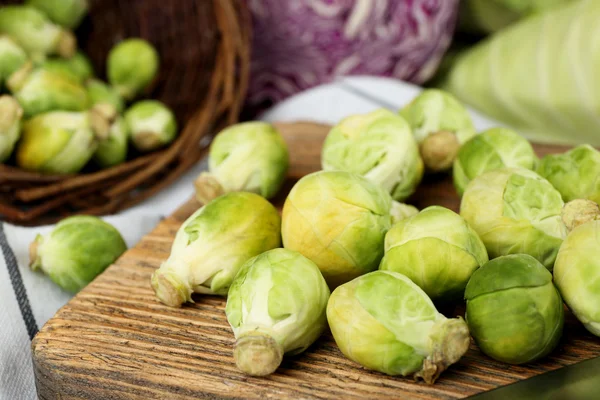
{"x":12,"y":58}
{"x":385,"y":322}
{"x":338,"y":220}
{"x":275,"y":306}
{"x":35,"y":33}
{"x":400,"y":211}
{"x":437,"y":250}
{"x":152,"y":125}
{"x":258,"y":148}
{"x":113,"y":150}
{"x":576,"y":274}
{"x":575,"y":174}
{"x":99,"y":92}
{"x":212,"y":245}
{"x":493,"y":149}
{"x":441,"y":125}
{"x":379,"y":146}
{"x":132,"y":66}
{"x":67,"y":13}
{"x":77,"y":250}
{"x":514,"y":312}
{"x":78,"y":68}
{"x":514,"y":210}
{"x":10,"y":125}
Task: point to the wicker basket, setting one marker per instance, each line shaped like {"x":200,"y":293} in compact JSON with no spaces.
{"x":204,"y":47}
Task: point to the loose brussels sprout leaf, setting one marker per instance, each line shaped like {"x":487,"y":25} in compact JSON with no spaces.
{"x":67,"y":13}
{"x":514,"y":210}
{"x":132,"y":66}
{"x":493,"y":149}
{"x":338,"y":220}
{"x":152,"y":125}
{"x":575,"y":174}
{"x":577,"y":272}
{"x":385,"y":322}
{"x":12,"y":58}
{"x":10,"y":125}
{"x":379,"y":146}
{"x":99,"y":92}
{"x":77,"y":250}
{"x":514,"y":312}
{"x":441,"y":124}
{"x":276,"y":305}
{"x":212,"y":244}
{"x":113,"y":150}
{"x":250,"y":157}
{"x":437,"y":250}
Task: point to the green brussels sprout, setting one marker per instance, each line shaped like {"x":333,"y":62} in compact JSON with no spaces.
{"x":338,"y":220}
{"x":493,"y":149}
{"x":276,"y":305}
{"x":514,"y":312}
{"x":437,"y":250}
{"x":100,"y":92}
{"x":514,"y":210}
{"x":379,"y":146}
{"x":132,"y":66}
{"x":12,"y":58}
{"x":77,"y":250}
{"x":10,"y":125}
{"x":259,"y":148}
{"x":152,"y":125}
{"x":575,"y":174}
{"x":37,"y":35}
{"x":67,"y":13}
{"x":212,"y":245}
{"x":386,"y":323}
{"x":113,"y":150}
{"x":39,"y":91}
{"x":400,"y":211}
{"x":77,"y":68}
{"x":576,"y":273}
{"x":441,"y":124}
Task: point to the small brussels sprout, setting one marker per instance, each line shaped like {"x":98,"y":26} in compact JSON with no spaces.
{"x":437,"y":250}
{"x":12,"y":58}
{"x":577,"y":273}
{"x":77,"y":250}
{"x":276,"y":305}
{"x":338,"y":220}
{"x":258,"y":148}
{"x":575,"y":174}
{"x":132,"y":66}
{"x":386,"y":323}
{"x":10,"y":125}
{"x":514,"y":312}
{"x":493,"y":149}
{"x":113,"y":150}
{"x":441,"y":125}
{"x":152,"y":125}
{"x":100,"y":92}
{"x":400,"y":211}
{"x":35,"y":33}
{"x":379,"y":146}
{"x":77,"y":68}
{"x":212,"y":245}
{"x":67,"y":13}
{"x":514,"y":210}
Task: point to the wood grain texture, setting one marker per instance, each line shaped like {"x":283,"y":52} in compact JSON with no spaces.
{"x":114,"y":340}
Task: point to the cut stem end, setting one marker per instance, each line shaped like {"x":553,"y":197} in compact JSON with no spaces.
{"x":169,"y":289}
{"x":35,"y":261}
{"x":10,"y":114}
{"x":439,"y":150}
{"x":257,"y":354}
{"x":147,"y":140}
{"x":578,"y":212}
{"x":207,"y":188}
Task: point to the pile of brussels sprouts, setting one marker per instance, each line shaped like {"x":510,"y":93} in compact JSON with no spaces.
{"x":57,"y":116}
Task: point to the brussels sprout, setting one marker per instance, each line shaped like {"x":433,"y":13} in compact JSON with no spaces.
{"x":400,"y":211}
{"x":379,"y":146}
{"x":77,"y":68}
{"x":493,"y":149}
{"x":113,"y":150}
{"x":12,"y":58}
{"x":67,"y":13}
{"x":514,"y":210}
{"x":152,"y":125}
{"x":100,"y":92}
{"x":441,"y":125}
{"x":338,"y":220}
{"x":437,"y":250}
{"x":10,"y":125}
{"x":276,"y":305}
{"x":32,"y":30}
{"x":514,"y":312}
{"x":385,"y":322}
{"x":575,"y":174}
{"x":77,"y":250}
{"x":39,"y":91}
{"x":578,"y":212}
{"x":212,"y":245}
{"x":132,"y":66}
{"x":576,"y":274}
{"x":259,"y":148}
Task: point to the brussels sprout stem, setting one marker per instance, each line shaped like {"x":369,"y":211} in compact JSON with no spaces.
{"x":10,"y":113}
{"x":578,"y":212}
{"x":170,"y":289}
{"x":67,"y":44}
{"x":207,"y":188}
{"x":102,"y":116}
{"x":439,"y":150}
{"x":17,"y":79}
{"x":450,"y":341}
{"x":257,"y":354}
{"x":147,"y":140}
{"x":35,"y":261}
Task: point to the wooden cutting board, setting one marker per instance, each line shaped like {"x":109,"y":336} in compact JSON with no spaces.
{"x":114,"y":340}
